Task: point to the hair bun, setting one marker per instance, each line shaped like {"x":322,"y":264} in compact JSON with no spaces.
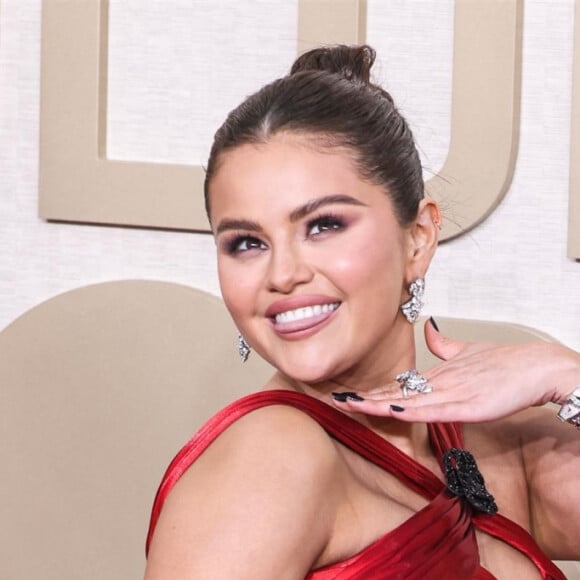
{"x":352,"y":62}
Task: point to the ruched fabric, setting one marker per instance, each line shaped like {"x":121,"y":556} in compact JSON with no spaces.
{"x":437,"y":542}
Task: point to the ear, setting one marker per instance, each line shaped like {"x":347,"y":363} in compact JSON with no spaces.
{"x":423,"y":238}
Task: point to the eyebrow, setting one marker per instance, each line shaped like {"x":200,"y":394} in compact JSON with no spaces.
{"x":296,"y":214}
{"x":230,"y":224}
{"x":319,"y":202}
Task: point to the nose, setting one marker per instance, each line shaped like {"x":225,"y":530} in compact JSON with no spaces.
{"x":287,"y":269}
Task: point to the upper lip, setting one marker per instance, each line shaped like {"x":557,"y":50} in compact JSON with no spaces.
{"x":297,"y":302}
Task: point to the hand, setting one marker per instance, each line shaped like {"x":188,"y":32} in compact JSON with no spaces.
{"x":478,"y":382}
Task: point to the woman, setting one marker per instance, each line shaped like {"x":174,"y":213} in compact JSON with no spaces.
{"x":315,"y":195}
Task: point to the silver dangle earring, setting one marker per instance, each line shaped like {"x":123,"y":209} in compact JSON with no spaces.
{"x":244,"y":349}
{"x":412,"y":308}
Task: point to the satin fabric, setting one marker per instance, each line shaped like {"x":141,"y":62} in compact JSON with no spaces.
{"x":437,"y":542}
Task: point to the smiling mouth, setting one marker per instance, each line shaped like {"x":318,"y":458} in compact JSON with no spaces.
{"x":306,"y":312}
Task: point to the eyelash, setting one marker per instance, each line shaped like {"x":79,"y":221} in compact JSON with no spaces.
{"x":233,"y":245}
{"x":326,"y":223}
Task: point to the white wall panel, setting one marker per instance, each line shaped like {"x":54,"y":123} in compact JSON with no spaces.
{"x":414,"y":43}
{"x":175,"y":73}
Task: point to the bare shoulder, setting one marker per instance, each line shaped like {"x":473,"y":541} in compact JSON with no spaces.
{"x":263,"y":485}
{"x":272,"y":438}
{"x":281,"y":423}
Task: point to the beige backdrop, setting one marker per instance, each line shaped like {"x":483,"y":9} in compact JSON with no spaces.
{"x":513,"y":267}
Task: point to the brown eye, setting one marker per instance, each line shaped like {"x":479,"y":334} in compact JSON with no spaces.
{"x":242,"y":244}
{"x":324,"y":224}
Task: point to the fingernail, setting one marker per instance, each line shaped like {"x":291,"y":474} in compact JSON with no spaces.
{"x":433,"y":323}
{"x":354,"y":397}
{"x":346,"y":396}
{"x":397,"y":409}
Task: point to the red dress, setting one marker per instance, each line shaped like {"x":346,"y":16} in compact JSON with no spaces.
{"x":437,"y":542}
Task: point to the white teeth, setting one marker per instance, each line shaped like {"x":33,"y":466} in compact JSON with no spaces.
{"x":305,"y":312}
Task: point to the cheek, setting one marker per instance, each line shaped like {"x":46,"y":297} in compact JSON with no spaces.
{"x":227,"y":279}
{"x":368,"y":261}
{"x":369,"y":279}
{"x":238,"y":287}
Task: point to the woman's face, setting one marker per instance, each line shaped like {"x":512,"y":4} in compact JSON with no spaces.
{"x":313,"y":264}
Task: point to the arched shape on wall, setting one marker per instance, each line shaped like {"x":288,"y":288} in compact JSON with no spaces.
{"x":99,"y":388}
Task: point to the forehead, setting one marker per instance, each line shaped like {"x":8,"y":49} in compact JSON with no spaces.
{"x":285,"y":171}
{"x":284,"y":149}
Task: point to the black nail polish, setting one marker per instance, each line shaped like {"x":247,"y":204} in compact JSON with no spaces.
{"x":397,"y":409}
{"x":354,"y":397}
{"x":434,"y":324}
{"x":346,"y":396}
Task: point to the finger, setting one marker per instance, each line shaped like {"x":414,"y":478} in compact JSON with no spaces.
{"x":415,"y":402}
{"x":385,"y":405}
{"x":442,"y":346}
{"x":394,"y":390}
{"x":421,"y":399}
{"x":448,"y":412}
{"x":455,"y":411}
{"x":377,"y":408}
{"x":451,"y":412}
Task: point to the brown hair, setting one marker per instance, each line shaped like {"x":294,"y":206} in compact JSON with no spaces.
{"x":328,"y":94}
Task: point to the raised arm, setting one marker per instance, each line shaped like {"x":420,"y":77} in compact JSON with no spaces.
{"x":487,"y":382}
{"x":258,"y":504}
{"x":551,"y":454}
{"x":478,"y":382}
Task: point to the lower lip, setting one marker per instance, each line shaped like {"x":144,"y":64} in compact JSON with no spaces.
{"x":305,"y":327}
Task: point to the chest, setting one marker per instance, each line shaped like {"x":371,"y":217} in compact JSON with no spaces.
{"x":377,"y":503}
{"x":501,"y":464}
{"x":502,"y":560}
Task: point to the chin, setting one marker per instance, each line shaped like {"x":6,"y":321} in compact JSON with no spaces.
{"x":307,"y":365}
{"x":305,"y":373}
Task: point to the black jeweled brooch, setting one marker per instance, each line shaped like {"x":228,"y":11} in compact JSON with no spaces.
{"x":465,"y":480}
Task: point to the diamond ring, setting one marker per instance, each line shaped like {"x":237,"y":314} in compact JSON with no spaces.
{"x":413,"y":381}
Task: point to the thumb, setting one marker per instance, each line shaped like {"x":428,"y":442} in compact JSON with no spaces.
{"x":441,"y":346}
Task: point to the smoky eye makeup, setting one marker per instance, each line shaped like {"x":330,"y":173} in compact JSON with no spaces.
{"x":325,"y":222}
{"x":240,"y":243}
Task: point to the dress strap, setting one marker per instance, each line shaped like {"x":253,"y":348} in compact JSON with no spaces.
{"x":362,"y":441}
{"x":343,"y":428}
{"x":444,"y":436}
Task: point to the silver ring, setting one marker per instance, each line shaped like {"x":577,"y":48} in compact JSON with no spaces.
{"x":413,"y":381}
{"x":570,"y":410}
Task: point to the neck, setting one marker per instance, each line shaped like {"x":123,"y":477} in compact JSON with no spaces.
{"x":410,"y":438}
{"x":393,"y":355}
